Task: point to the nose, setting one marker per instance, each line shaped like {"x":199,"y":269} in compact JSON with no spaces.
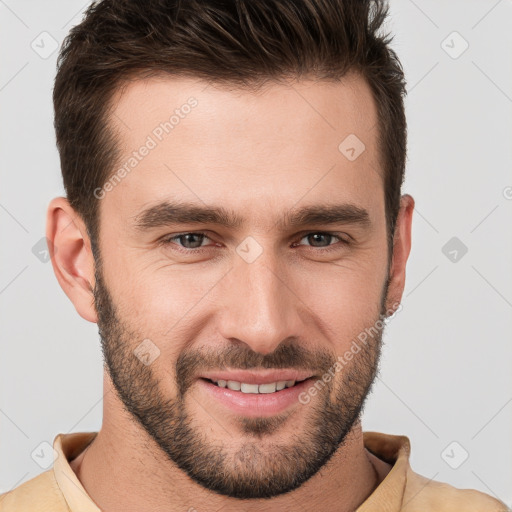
{"x":260,"y":306}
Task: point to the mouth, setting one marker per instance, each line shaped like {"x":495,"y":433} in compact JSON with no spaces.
{"x":255,"y":398}
{"x":254,"y":388}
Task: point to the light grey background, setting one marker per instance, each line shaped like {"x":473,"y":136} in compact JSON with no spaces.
{"x":446,"y":373}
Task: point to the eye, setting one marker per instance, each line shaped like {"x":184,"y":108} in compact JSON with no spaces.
{"x":187,"y":241}
{"x":193,"y":241}
{"x":322,"y":240}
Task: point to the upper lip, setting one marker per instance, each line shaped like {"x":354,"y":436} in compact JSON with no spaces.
{"x":257,"y":377}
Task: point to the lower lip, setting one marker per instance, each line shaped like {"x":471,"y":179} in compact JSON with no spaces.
{"x":256,"y":404}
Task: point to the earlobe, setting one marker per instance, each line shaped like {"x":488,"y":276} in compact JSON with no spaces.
{"x":71,"y":256}
{"x":401,"y":250}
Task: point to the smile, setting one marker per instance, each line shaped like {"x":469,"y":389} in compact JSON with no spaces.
{"x":244,"y":387}
{"x":253,"y":399}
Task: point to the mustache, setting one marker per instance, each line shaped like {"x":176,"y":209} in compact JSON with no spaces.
{"x":240,"y":357}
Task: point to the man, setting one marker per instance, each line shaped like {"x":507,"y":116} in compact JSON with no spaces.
{"x":234,"y":224}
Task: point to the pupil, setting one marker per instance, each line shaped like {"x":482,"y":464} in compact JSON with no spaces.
{"x":315,"y":235}
{"x":186,"y":237}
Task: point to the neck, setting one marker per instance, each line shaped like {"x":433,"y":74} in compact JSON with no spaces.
{"x":124,"y":470}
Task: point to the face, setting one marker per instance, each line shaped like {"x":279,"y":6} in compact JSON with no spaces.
{"x":276,"y":277}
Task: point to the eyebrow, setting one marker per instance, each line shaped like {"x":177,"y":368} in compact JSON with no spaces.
{"x":167,"y":213}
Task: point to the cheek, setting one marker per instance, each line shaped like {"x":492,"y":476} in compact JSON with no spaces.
{"x":344,"y":299}
{"x":167,"y":303}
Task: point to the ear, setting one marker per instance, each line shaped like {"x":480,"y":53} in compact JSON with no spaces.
{"x":401,"y":250}
{"x":71,"y":256}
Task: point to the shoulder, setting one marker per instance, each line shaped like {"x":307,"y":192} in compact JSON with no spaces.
{"x":40,"y":493}
{"x":423,"y":494}
{"x":412,"y":492}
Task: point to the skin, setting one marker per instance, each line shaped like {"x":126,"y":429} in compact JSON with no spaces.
{"x":261,"y":155}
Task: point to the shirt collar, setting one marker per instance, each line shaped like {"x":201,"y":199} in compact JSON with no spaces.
{"x":67,"y":447}
{"x":387,"y":497}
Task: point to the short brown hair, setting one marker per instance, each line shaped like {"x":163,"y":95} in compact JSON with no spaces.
{"x":241,"y":42}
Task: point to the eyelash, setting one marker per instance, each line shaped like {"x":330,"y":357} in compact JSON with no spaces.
{"x":166,"y":241}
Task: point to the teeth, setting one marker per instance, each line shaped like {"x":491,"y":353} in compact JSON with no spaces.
{"x":267,"y":388}
{"x":271,"y":387}
{"x":249,"y":388}
{"x":235,"y":386}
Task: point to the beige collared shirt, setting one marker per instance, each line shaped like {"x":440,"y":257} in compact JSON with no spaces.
{"x":59,"y":490}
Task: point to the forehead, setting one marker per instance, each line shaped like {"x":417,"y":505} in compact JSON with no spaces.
{"x":185,"y":139}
